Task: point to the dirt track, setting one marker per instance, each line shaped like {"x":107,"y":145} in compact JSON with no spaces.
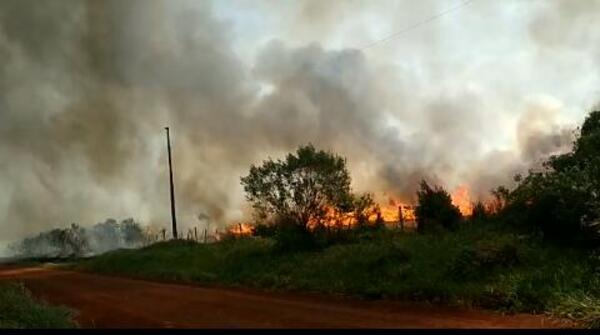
{"x":109,"y":302}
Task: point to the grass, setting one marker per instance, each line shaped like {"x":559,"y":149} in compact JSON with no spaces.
{"x":19,"y":310}
{"x":483,"y":266}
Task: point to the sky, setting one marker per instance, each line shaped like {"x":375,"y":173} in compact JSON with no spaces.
{"x":470,"y":97}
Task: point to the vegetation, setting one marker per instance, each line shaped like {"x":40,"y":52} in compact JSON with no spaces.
{"x":300,"y":189}
{"x":19,"y":310}
{"x":487,"y":266}
{"x":302,"y":194}
{"x":532,"y":249}
{"x":76,"y":241}
{"x":435,"y":209}
{"x":562,"y":201}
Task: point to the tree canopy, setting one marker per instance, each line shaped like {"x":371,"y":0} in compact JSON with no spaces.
{"x":563,"y":200}
{"x":301,"y":188}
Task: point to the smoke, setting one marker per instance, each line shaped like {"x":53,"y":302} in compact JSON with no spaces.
{"x":77,"y":241}
{"x":86,"y":88}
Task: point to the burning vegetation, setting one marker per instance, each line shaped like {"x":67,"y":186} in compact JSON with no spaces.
{"x":309,"y":192}
{"x":533,"y":248}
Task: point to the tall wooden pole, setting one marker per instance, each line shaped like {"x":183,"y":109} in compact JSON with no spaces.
{"x":173,"y":217}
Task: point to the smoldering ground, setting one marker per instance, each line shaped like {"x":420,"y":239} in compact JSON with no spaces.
{"x":86,"y":88}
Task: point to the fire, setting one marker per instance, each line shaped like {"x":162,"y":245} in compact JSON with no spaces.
{"x":396,"y":210}
{"x":461,"y":198}
{"x":240,"y":229}
{"x":393,"y":213}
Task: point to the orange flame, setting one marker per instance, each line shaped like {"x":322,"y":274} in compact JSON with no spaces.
{"x":461,"y":198}
{"x":394,"y":213}
{"x":240,"y":229}
{"x":396,"y":210}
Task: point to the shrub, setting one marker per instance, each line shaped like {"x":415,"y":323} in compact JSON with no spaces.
{"x":292,"y":237}
{"x":19,"y":310}
{"x":435,"y":208}
{"x":483,"y":257}
{"x":264,"y":230}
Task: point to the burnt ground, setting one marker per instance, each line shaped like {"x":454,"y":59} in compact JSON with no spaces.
{"x":115,"y":302}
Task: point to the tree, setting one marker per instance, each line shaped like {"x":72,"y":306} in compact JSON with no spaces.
{"x":300,"y":189}
{"x":479,"y":211}
{"x":585,"y":148}
{"x":363,"y":208}
{"x":435,"y":208}
{"x":562,"y":200}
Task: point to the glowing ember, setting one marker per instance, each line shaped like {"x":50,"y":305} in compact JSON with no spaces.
{"x":461,"y":198}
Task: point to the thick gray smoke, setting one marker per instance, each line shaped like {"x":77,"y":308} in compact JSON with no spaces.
{"x":86,"y":88}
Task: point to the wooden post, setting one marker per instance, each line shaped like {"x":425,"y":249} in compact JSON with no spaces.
{"x":196,"y":234}
{"x":400,"y":218}
{"x":204,"y":235}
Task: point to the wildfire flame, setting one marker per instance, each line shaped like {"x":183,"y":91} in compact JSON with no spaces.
{"x":461,"y":198}
{"x":394,"y":212}
{"x":240,"y":229}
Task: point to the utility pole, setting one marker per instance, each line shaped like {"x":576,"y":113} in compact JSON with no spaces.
{"x":173,"y":218}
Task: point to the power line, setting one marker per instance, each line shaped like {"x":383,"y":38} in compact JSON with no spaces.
{"x":416,"y":25}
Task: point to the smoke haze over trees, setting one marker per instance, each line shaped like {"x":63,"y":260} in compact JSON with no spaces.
{"x":86,"y":88}
{"x":76,"y":241}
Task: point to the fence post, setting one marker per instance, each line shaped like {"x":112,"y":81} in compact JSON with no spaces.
{"x":400,"y":218}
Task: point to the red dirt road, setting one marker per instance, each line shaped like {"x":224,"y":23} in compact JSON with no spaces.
{"x":114,"y":302}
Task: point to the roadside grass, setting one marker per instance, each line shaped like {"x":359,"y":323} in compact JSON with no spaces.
{"x":18,"y":309}
{"x":479,"y":266}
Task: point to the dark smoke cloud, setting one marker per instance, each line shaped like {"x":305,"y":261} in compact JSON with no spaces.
{"x":86,"y":88}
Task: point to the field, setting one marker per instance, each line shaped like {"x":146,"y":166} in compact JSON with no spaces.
{"x":19,"y":310}
{"x":483,"y":266}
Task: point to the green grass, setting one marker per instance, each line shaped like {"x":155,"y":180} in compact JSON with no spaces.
{"x":482,"y":266}
{"x":19,"y":310}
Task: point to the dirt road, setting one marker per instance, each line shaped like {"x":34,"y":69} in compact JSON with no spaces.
{"x":109,"y":302}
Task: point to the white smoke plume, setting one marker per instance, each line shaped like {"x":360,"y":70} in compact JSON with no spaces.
{"x":86,"y":88}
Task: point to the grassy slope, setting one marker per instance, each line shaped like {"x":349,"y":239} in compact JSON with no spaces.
{"x":481,"y":266}
{"x":19,"y":310}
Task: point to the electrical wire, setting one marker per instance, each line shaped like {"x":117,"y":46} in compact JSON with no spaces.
{"x":416,"y":25}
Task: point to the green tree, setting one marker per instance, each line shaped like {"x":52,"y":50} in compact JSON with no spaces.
{"x":562,"y":200}
{"x":435,"y":208}
{"x":300,"y":189}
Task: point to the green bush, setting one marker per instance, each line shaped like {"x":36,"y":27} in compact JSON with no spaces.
{"x":435,"y":209}
{"x":19,"y":310}
{"x":481,"y":259}
{"x":486,"y":264}
{"x":292,"y":238}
